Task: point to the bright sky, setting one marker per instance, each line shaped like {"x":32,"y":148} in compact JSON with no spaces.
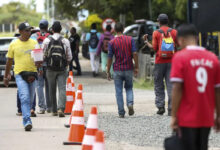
{"x":40,"y":3}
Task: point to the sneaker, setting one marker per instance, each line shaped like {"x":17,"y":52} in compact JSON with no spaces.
{"x":121,"y":116}
{"x":54,"y":114}
{"x":33,"y":114}
{"x":60,"y":113}
{"x":161,"y":111}
{"x":41,"y":112}
{"x":130,"y":110}
{"x":19,"y":114}
{"x":28,"y":127}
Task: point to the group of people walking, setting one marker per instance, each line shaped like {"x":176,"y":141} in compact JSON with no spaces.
{"x":191,"y":73}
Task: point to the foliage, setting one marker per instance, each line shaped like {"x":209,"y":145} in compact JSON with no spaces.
{"x":16,"y":12}
{"x":139,"y":9}
{"x":94,"y":18}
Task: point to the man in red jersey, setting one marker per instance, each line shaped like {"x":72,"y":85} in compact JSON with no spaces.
{"x":195,"y":75}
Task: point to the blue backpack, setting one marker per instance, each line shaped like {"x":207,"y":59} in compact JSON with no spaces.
{"x":94,"y":40}
{"x":167,"y":47}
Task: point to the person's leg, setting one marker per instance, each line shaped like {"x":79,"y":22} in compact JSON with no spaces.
{"x":168,"y":86}
{"x":104,"y":57}
{"x":18,"y":103}
{"x":129,"y":91}
{"x":129,"y":87}
{"x":24,"y":95}
{"x":159,"y":86}
{"x":61,"y":81}
{"x":48,"y":102}
{"x":40,"y":93}
{"x":33,"y":105}
{"x":203,"y":138}
{"x":92,"y":60}
{"x":78,"y":68}
{"x":118,"y":80}
{"x":71,"y":65}
{"x":52,"y":78}
{"x":97,"y":62}
{"x":189,"y":137}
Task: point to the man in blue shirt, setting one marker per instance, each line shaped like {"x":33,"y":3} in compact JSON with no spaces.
{"x":93,"y":39}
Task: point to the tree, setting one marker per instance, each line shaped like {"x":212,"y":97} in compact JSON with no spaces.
{"x":16,"y":12}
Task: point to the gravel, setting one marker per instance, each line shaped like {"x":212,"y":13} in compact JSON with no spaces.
{"x":141,"y":130}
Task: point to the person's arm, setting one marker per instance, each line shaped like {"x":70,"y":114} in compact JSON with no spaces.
{"x":155,"y":41}
{"x":217,"y":101}
{"x":176,"y":98}
{"x":7,"y":76}
{"x":135,"y":57}
{"x":77,"y":44}
{"x":109,"y":63}
{"x":99,"y":47}
{"x":147,"y":42}
{"x":68,"y":51}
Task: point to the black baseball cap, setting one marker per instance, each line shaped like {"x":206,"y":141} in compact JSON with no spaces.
{"x":56,"y":26}
{"x":162,"y":17}
{"x":43,"y":23}
{"x":24,"y":25}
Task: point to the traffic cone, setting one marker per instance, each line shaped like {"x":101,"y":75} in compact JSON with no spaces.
{"x":69,"y":96}
{"x":71,"y":75}
{"x":92,"y":127}
{"x":77,"y":127}
{"x":80,"y":87}
{"x":99,"y":143}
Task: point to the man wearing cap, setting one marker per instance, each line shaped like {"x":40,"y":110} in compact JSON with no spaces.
{"x":54,"y":75}
{"x":162,"y":64}
{"x":40,"y":36}
{"x":24,"y":69}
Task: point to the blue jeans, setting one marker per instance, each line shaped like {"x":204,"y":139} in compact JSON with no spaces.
{"x":19,"y":103}
{"x":40,"y":92}
{"x":26,"y":95}
{"x":126,"y":78}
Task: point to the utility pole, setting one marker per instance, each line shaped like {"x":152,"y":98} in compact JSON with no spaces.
{"x":150,"y":9}
{"x":53,"y":12}
{"x":48,"y":9}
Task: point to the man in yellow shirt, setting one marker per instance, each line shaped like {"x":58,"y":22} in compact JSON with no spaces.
{"x":24,"y":69}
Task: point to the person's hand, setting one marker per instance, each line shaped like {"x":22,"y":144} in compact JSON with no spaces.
{"x":38,"y":64}
{"x":108,"y":76}
{"x":96,"y":57}
{"x":136,"y":70}
{"x":145,"y":37}
{"x":7,"y":79}
{"x":174,"y":124}
{"x":217,"y":124}
{"x":31,"y":79}
{"x":40,"y":72}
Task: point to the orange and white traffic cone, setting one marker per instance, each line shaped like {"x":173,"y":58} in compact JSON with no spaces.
{"x":79,"y":90}
{"x":69,"y":96}
{"x":99,"y":143}
{"x":92,"y":127}
{"x":77,"y":128}
{"x":71,"y":76}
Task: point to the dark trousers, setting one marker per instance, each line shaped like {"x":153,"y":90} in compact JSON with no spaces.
{"x":161,"y":73}
{"x":195,"y":138}
{"x":19,"y":103}
{"x":77,"y":67}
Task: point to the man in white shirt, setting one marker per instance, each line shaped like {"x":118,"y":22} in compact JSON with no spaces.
{"x":57,"y":54}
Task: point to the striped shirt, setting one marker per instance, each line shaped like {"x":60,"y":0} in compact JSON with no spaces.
{"x":122,"y":48}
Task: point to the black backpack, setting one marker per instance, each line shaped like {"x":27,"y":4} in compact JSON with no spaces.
{"x":55,"y":55}
{"x":93,"y":42}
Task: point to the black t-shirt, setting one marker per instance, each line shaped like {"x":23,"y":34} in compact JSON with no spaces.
{"x":73,"y":40}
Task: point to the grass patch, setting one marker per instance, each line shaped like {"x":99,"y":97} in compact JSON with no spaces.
{"x":144,"y":84}
{"x":7,"y":34}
